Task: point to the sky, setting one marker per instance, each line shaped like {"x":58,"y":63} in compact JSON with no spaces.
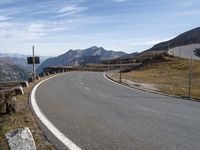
{"x":55,"y":26}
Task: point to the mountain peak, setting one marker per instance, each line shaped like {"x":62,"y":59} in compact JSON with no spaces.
{"x":93,"y":47}
{"x":89,"y":55}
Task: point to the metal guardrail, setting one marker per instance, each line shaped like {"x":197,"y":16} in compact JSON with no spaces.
{"x":13,"y":84}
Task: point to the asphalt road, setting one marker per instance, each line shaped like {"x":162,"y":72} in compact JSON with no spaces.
{"x":185,"y":51}
{"x":97,"y":114}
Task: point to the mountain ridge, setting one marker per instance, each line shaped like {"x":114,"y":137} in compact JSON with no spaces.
{"x":93,"y":54}
{"x":186,"y":38}
{"x":11,"y":71}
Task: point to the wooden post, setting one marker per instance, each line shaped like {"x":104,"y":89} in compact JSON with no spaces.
{"x":33,"y":50}
{"x":120,"y":72}
{"x":190,"y":79}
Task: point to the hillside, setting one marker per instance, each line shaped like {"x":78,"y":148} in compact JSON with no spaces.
{"x":167,"y":74}
{"x":19,"y":59}
{"x":82,"y":57}
{"x":189,"y":39}
{"x":186,"y":38}
{"x":10,"y":71}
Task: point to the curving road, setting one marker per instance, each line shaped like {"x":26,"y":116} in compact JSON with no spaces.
{"x":97,"y":114}
{"x":185,"y":51}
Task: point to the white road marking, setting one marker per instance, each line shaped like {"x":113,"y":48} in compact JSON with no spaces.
{"x":87,"y":88}
{"x":81,"y":83}
{"x":149,"y":110}
{"x":67,"y":142}
{"x":118,"y":83}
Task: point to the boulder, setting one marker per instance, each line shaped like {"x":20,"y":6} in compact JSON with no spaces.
{"x":25,"y":84}
{"x":10,"y":104}
{"x":19,"y":90}
{"x":44,"y":74}
{"x":20,"y":139}
{"x":30,"y":79}
{"x":37,"y":77}
{"x":48,"y":74}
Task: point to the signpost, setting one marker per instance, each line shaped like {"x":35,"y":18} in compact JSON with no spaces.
{"x":120,"y":72}
{"x":190,"y":79}
{"x":33,"y":60}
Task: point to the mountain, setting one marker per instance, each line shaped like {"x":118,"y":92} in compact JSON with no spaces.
{"x":90,"y":55}
{"x":130,"y":55}
{"x":11,"y":71}
{"x":12,"y":55}
{"x":19,"y":59}
{"x":186,"y":38}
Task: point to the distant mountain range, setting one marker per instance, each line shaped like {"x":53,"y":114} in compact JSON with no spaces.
{"x":11,"y":71}
{"x":19,"y":59}
{"x":15,"y":67}
{"x":90,"y":55}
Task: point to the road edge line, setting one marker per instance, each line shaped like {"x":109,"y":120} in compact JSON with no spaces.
{"x":58,"y":134}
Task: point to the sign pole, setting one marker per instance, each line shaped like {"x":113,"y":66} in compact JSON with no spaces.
{"x":190,"y":79}
{"x":33,"y":49}
{"x":120,"y":74}
{"x":108,"y":65}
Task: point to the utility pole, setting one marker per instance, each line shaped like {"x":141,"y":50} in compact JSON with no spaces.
{"x":33,"y":63}
{"x":190,"y":79}
{"x":120,"y":72}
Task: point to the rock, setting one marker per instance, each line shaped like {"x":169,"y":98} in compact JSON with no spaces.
{"x":19,"y":90}
{"x":44,"y":74}
{"x":25,"y":84}
{"x":20,"y":139}
{"x":30,"y":80}
{"x":37,"y":77}
{"x":48,"y":74}
{"x":7,"y":104}
{"x":10,"y":104}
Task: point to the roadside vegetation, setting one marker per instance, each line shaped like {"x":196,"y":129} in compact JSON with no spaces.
{"x":168,"y":74}
{"x":22,"y":118}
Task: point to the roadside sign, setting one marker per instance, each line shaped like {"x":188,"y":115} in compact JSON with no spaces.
{"x":30,"y":60}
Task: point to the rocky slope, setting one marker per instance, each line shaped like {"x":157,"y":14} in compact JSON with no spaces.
{"x":19,"y":59}
{"x":10,"y":71}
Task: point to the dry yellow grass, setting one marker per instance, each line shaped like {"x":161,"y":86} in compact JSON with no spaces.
{"x":23,"y":118}
{"x":170,"y":76}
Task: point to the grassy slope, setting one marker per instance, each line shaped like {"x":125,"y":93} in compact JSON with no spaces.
{"x":169,"y":75}
{"x":23,"y":118}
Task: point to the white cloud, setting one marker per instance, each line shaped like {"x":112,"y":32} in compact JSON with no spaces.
{"x":4,"y":18}
{"x":119,"y":0}
{"x":4,"y":24}
{"x":72,"y":9}
{"x":36,"y":28}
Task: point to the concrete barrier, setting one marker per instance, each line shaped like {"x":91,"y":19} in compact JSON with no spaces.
{"x":14,"y":83}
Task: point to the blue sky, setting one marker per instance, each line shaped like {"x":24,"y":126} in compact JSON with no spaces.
{"x":54,"y":26}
